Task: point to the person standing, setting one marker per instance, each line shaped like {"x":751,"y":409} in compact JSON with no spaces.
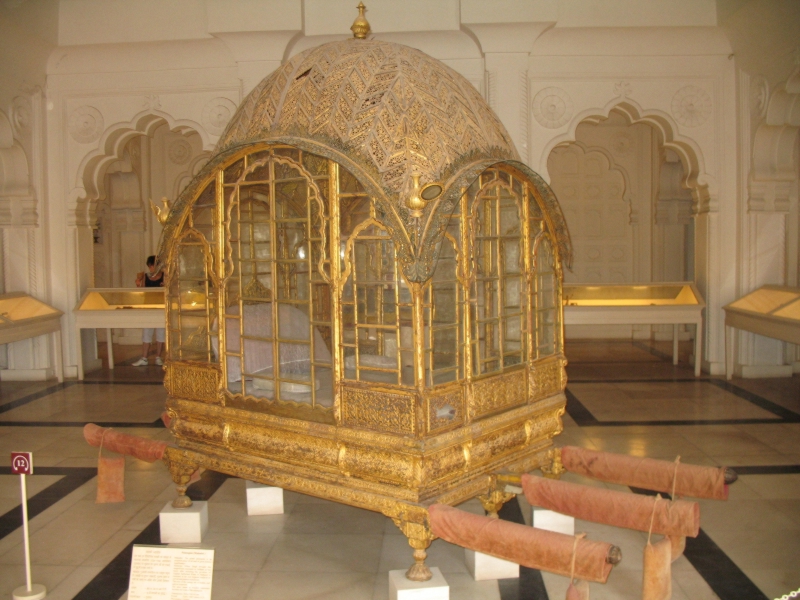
{"x":154,"y":277}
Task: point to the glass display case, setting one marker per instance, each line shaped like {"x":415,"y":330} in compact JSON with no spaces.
{"x":772,"y":311}
{"x":23,"y":316}
{"x":638,"y":304}
{"x":118,"y":308}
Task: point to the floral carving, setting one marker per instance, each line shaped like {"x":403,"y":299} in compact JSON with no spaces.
{"x":21,"y":114}
{"x":494,"y":393}
{"x":546,"y":379}
{"x":623,"y":89}
{"x":759,"y":96}
{"x":691,"y":106}
{"x":378,"y":410}
{"x":196,"y":383}
{"x":180,"y":152}
{"x":217,"y":113}
{"x":552,"y":107}
{"x":85,"y":124}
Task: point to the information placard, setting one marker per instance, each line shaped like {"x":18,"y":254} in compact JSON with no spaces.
{"x":161,"y":573}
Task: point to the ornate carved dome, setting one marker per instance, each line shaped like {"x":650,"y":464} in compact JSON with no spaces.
{"x":383,"y":111}
{"x":391,"y":108}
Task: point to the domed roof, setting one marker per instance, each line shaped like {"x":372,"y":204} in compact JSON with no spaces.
{"x":383,"y":111}
{"x":390,"y":108}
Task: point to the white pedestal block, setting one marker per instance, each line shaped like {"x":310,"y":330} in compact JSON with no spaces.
{"x":484,"y":566}
{"x":435,"y":588}
{"x":183,"y":525}
{"x":553,"y":521}
{"x":37,"y":592}
{"x":263,"y":499}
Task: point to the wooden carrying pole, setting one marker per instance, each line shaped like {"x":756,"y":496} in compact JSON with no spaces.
{"x":609,"y":507}
{"x":527,"y":546}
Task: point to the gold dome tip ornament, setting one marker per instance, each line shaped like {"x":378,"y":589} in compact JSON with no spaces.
{"x":360,"y":26}
{"x":415,"y":203}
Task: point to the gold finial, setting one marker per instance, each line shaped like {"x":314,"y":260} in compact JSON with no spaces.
{"x":162,"y":214}
{"x":414,"y":202}
{"x":360,"y":27}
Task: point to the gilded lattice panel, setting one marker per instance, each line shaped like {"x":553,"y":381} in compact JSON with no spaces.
{"x":378,"y":410}
{"x":495,"y":393}
{"x":546,"y":379}
{"x":194,"y":382}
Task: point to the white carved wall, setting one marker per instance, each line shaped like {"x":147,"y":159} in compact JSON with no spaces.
{"x":591,"y":190}
{"x":126,"y":230}
{"x":686,"y":102}
{"x":629,"y":215}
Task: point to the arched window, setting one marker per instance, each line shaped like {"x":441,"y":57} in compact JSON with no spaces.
{"x":377,"y":328}
{"x":546,"y":297}
{"x":498,"y":291}
{"x":278,"y":330}
{"x":192,"y":300}
{"x":444,"y":309}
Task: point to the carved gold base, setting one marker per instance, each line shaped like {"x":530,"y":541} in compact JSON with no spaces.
{"x":397,"y":476}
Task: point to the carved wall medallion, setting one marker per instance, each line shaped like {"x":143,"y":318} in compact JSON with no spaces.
{"x":21,"y":115}
{"x":378,"y":410}
{"x":622,"y":89}
{"x":217,"y":113}
{"x":691,"y":106}
{"x":196,"y":383}
{"x":552,"y":107}
{"x":759,"y":96}
{"x":152,"y":102}
{"x":180,"y":151}
{"x":494,"y":393}
{"x":85,"y":124}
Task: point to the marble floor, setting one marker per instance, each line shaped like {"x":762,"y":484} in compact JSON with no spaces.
{"x":622,"y":397}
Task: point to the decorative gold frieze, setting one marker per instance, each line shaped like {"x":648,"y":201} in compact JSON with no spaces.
{"x":380,"y":465}
{"x":279,"y":444}
{"x":378,"y":410}
{"x":546,"y":379}
{"x":203,"y":431}
{"x":199,"y":383}
{"x":496,"y":393}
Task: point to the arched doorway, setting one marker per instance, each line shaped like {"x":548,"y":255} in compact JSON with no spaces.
{"x":629,"y":214}
{"x":151,"y":158}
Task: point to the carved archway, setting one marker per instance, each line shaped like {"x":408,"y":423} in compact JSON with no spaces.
{"x":697,"y":180}
{"x":90,"y":187}
{"x":603,"y":197}
{"x":111,"y":199}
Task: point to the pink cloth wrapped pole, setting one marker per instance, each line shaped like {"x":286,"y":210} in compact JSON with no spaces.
{"x":527,"y":546}
{"x":647,"y":473}
{"x":620,"y":509}
{"x":123,"y":443}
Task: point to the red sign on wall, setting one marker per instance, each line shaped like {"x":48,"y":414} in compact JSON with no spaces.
{"x":22,"y":463}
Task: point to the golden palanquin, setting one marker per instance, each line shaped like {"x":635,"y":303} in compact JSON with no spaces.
{"x":364,"y":291}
